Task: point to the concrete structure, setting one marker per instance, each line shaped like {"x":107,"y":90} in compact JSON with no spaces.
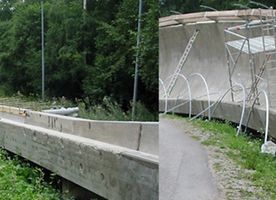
{"x":116,"y":160}
{"x":208,"y":58}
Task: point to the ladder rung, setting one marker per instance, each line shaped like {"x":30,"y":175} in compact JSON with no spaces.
{"x":182,"y":60}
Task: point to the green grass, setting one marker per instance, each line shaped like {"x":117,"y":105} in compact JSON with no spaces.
{"x":245,"y":151}
{"x":18,"y":181}
{"x":110,"y":110}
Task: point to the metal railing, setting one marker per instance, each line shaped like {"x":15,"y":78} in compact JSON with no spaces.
{"x":216,"y":103}
{"x":267,"y":112}
{"x":207,"y":90}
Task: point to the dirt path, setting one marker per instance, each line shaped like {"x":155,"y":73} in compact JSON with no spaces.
{"x":184,"y":166}
{"x":196,"y":171}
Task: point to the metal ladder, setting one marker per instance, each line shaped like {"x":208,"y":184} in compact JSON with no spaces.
{"x":182,"y":61}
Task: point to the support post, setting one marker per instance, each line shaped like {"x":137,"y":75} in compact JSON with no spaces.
{"x":42,"y":53}
{"x":137,"y":61}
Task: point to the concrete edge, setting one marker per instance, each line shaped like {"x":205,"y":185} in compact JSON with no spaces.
{"x":230,"y":111}
{"x":95,"y":143}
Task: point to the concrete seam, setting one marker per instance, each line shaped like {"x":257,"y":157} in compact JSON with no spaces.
{"x":139,"y":137}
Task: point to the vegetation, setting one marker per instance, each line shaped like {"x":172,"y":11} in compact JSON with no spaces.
{"x":18,"y":180}
{"x":89,"y":53}
{"x":245,"y":151}
{"x":109,"y":110}
{"x":106,"y":110}
{"x":169,"y":7}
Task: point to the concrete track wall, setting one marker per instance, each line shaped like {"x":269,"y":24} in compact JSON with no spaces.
{"x":229,"y":111}
{"x":117,"y":160}
{"x":208,"y":57}
{"x":111,"y":171}
{"x":140,"y":136}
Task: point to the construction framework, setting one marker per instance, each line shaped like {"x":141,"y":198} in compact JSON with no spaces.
{"x":256,"y":41}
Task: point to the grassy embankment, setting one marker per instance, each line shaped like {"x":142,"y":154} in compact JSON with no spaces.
{"x":245,"y":151}
{"x":19,"y":180}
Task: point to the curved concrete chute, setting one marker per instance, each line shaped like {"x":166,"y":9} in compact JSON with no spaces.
{"x":209,"y":58}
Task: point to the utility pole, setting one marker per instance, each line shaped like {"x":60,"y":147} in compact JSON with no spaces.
{"x":84,"y":4}
{"x":42,"y":53}
{"x":137,"y":61}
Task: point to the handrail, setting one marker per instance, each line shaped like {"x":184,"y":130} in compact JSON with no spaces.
{"x":207,"y":90}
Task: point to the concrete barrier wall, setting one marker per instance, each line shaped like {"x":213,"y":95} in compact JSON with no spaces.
{"x":111,"y":171}
{"x":12,"y":110}
{"x":228,"y":111}
{"x":142,"y":136}
{"x":207,"y":56}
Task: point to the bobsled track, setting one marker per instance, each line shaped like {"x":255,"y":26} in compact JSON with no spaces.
{"x":203,"y":85}
{"x":116,"y":160}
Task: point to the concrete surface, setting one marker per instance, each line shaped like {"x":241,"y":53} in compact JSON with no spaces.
{"x":208,"y":57}
{"x":229,"y":111}
{"x":184,"y":172}
{"x":140,"y":136}
{"x":111,"y":171}
{"x":116,"y":160}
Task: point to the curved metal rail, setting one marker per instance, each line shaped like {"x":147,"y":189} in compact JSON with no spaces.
{"x":243,"y":102}
{"x":267,"y":112}
{"x":221,"y":98}
{"x":189,"y":91}
{"x":207,"y":90}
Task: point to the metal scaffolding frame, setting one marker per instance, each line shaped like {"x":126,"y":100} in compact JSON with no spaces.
{"x":255,"y":39}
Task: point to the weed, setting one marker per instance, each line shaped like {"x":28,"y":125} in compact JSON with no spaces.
{"x":18,"y":180}
{"x":245,"y":151}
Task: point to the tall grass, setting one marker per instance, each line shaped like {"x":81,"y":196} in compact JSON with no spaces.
{"x":18,"y":180}
{"x":110,"y":110}
{"x":107,"y":110}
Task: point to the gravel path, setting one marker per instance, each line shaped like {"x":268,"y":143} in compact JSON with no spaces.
{"x":184,"y":166}
{"x":190,"y":170}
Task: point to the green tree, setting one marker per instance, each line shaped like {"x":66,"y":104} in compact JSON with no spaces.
{"x":113,"y":71}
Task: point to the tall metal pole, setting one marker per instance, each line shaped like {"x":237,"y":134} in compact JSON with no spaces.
{"x":84,"y":4}
{"x":42,"y":52}
{"x":137,"y":61}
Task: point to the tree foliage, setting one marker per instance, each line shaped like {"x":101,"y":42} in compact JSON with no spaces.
{"x":88,"y":53}
{"x":169,"y":7}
